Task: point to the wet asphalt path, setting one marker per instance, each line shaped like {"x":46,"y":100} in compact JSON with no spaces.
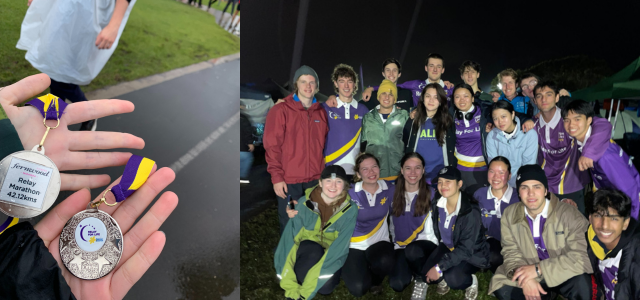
{"x":201,"y":258}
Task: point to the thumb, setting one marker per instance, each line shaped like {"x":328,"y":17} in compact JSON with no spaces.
{"x":294,"y":201}
{"x":286,"y":190}
{"x":25,"y":89}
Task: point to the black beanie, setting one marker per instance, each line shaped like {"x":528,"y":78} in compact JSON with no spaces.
{"x":334,"y":169}
{"x":531,"y":172}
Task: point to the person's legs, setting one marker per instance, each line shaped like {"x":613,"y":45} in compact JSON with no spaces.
{"x":507,"y":293}
{"x":400,"y":276}
{"x":357,"y":276}
{"x":308,"y":255}
{"x":296,"y":191}
{"x":331,"y":284}
{"x":576,"y":288}
{"x":73,"y":93}
{"x":495,"y":258}
{"x":381,"y":261}
{"x":246,"y":160}
{"x":417,"y":253}
{"x":459,"y":277}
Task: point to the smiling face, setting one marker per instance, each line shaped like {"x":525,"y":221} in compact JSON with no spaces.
{"x":346,"y":87}
{"x":369,"y":171}
{"x":546,"y":99}
{"x":470,"y":76}
{"x":577,"y":125}
{"x":307,"y":86}
{"x":412,"y":170}
{"x":498,"y":175}
{"x":509,"y":86}
{"x":463,"y":99}
{"x":430,"y":100}
{"x":391,"y":72}
{"x":608,"y":226}
{"x":532,"y":194}
{"x":528,"y":85}
{"x":503,"y":119}
{"x":386,"y":100}
{"x":435,"y":68}
{"x":448,"y":187}
{"x":332,"y":187}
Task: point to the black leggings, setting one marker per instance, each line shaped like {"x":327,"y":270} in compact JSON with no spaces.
{"x":366,"y":268}
{"x":495,"y":258}
{"x":308,"y":255}
{"x":576,"y":288}
{"x":67,"y":91}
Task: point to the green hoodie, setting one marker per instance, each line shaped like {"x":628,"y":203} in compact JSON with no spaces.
{"x":334,"y":238}
{"x":384,"y":140}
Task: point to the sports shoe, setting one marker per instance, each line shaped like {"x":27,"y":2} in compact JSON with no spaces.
{"x":442,"y":288}
{"x":471,"y":293}
{"x":419,"y":290}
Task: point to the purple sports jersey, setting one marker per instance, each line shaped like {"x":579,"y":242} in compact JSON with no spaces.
{"x":469,"y":143}
{"x":446,"y":233}
{"x":371,"y":223}
{"x":407,"y":227}
{"x":490,"y":215}
{"x":343,"y":140}
{"x":616,"y":170}
{"x":539,"y":241}
{"x":609,"y":273}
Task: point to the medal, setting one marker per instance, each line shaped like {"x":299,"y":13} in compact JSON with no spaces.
{"x":91,"y":242}
{"x":29,"y":180}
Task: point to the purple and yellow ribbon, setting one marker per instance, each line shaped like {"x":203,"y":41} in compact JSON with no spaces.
{"x":136,"y":173}
{"x":50,"y":106}
{"x":8,"y":223}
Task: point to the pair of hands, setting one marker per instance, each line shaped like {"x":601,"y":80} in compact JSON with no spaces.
{"x":143,"y":242}
{"x":106,"y":37}
{"x":526,"y":280}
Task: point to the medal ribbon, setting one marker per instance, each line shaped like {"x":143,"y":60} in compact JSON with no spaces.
{"x":50,"y":106}
{"x":135,"y":174}
{"x":8,"y":223}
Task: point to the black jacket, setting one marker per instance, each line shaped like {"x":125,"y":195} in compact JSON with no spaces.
{"x":27,"y":269}
{"x":628,"y":286}
{"x":469,"y":238}
{"x":410,"y":137}
{"x":246,"y":133}
{"x":485,"y":117}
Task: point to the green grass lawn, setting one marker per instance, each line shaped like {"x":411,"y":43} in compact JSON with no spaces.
{"x":258,"y":238}
{"x":160,"y":35}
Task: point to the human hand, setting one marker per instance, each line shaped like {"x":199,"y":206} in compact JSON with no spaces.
{"x":251,"y":147}
{"x":69,"y":150}
{"x":279,"y":101}
{"x":532,"y":290}
{"x":366,"y":94}
{"x":412,"y":114}
{"x":585,"y":163}
{"x":448,"y":84}
{"x":107,"y":36}
{"x":142,"y":243}
{"x":528,"y":125}
{"x":331,"y":101}
{"x":564,"y":92}
{"x":570,"y":202}
{"x":525,"y":273}
{"x":488,"y":127}
{"x":292,"y":212}
{"x":432,"y":275}
{"x":281,"y":189}
{"x":29,"y":2}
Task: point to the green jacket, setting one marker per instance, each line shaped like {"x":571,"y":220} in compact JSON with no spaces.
{"x":384,"y":140}
{"x":334,"y":238}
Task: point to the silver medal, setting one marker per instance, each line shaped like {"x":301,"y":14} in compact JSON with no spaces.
{"x":91,"y":244}
{"x":29,"y":183}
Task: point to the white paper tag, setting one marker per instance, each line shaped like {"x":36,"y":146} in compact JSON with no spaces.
{"x":25,"y":183}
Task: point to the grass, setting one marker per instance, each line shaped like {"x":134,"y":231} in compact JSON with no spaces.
{"x":258,"y":238}
{"x":161,"y":35}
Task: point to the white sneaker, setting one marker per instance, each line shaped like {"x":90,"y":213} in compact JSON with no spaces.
{"x":471,"y":293}
{"x":442,"y":288}
{"x":419,"y":290}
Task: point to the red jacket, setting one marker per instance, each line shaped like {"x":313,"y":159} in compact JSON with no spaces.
{"x":294,"y":140}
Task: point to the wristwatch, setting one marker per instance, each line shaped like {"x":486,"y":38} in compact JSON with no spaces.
{"x":538,"y":269}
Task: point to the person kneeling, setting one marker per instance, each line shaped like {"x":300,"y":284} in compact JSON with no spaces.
{"x":543,"y":245}
{"x":315,"y":244}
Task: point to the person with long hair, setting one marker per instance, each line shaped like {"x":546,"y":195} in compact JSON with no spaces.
{"x":411,"y":225}
{"x":493,"y":200}
{"x":507,"y":139}
{"x":315,"y":243}
{"x":471,"y":116}
{"x":431,"y":133}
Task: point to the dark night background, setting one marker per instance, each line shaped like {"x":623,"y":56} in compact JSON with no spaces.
{"x":497,"y":34}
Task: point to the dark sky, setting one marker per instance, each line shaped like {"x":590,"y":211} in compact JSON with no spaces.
{"x":497,"y":34}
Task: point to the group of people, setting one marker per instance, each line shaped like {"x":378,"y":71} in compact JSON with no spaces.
{"x":433,"y":182}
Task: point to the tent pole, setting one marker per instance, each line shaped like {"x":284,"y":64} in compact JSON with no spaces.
{"x":613,"y":130}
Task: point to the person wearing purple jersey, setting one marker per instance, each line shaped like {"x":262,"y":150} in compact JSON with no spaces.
{"x":434,"y":65}
{"x":411,"y":226}
{"x":470,"y":118}
{"x":614,"y":246}
{"x":508,"y":140}
{"x":543,"y":245}
{"x":493,"y":200}
{"x":431,"y":132}
{"x":344,"y":121}
{"x":558,"y":152}
{"x":614,"y":169}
